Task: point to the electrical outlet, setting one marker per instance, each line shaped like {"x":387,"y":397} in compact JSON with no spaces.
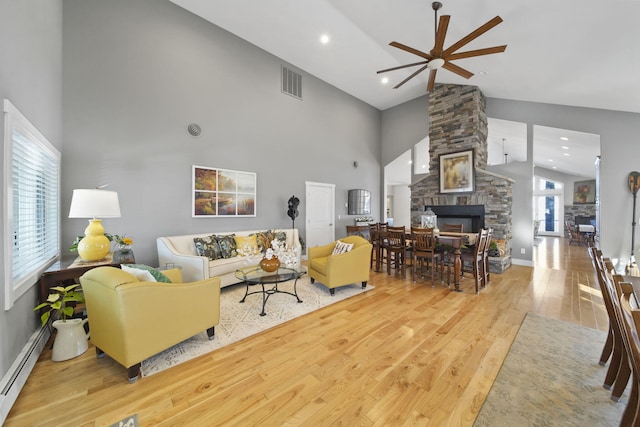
{"x":523,"y":251}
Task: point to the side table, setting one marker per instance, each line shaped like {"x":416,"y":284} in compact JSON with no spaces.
{"x":67,"y":272}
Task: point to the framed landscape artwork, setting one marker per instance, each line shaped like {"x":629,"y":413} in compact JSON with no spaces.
{"x":584,"y":192}
{"x":456,"y":172}
{"x":223,"y":193}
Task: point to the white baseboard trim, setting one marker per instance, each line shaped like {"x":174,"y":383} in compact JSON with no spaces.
{"x":524,"y":262}
{"x":17,"y":375}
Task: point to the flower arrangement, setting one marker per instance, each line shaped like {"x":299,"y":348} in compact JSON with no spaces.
{"x":364,"y":219}
{"x":120,"y":240}
{"x":280,"y":250}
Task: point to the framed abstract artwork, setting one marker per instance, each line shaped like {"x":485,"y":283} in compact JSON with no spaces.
{"x":223,"y":193}
{"x":584,"y":192}
{"x":456,"y":172}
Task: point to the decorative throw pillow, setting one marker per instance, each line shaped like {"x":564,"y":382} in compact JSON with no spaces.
{"x":247,"y":245}
{"x":227,"y":244}
{"x":137,"y":269}
{"x":264,"y":239}
{"x":280,"y":235}
{"x":208,"y":246}
{"x":341,"y":248}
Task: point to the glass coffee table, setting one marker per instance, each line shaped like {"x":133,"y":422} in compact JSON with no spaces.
{"x":269,"y":282}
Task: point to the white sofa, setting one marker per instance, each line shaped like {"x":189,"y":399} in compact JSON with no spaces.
{"x":181,"y":251}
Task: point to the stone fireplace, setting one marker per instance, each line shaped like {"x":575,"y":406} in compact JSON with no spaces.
{"x":458,"y":122}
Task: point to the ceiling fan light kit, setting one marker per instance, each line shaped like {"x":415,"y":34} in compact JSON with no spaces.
{"x":439,"y":57}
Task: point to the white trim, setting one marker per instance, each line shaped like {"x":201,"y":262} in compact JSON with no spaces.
{"x":16,"y":377}
{"x":524,"y":262}
{"x":15,"y":120}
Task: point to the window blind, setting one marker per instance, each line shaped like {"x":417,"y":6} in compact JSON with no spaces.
{"x":34,"y":202}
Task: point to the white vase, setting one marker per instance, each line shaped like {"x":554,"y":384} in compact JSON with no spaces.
{"x":71,"y":339}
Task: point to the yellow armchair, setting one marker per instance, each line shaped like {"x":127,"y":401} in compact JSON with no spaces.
{"x":132,"y":320}
{"x":340,"y":269}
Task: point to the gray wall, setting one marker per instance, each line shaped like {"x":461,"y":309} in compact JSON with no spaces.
{"x":30,"y":76}
{"x":404,"y":125}
{"x":136,"y":73}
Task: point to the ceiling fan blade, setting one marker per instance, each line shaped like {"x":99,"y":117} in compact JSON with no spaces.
{"x":478,"y":52}
{"x":410,"y":77}
{"x":432,"y":80}
{"x":411,"y":50}
{"x":472,"y":35}
{"x":440,"y":35}
{"x":402,"y":66}
{"x":458,"y":70}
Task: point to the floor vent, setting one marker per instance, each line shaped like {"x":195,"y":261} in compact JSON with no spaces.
{"x":291,"y":83}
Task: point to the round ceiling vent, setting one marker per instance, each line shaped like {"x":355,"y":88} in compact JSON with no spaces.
{"x":194,"y":129}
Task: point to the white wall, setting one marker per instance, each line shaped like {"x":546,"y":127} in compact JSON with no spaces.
{"x":402,"y":206}
{"x":136,"y":73}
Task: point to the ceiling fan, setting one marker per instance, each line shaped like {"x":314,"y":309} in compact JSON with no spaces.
{"x":439,"y":57}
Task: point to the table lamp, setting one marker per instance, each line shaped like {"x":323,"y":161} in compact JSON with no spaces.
{"x":94,"y":203}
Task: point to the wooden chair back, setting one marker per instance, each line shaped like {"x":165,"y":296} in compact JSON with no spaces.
{"x":358,"y":230}
{"x":574,"y":236}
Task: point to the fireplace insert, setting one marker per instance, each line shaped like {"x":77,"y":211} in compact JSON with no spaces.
{"x":471,"y":216}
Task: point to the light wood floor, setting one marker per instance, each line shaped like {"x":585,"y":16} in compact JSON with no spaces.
{"x":402,"y":354}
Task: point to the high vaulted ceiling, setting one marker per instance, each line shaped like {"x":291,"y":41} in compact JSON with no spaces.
{"x":571,"y":52}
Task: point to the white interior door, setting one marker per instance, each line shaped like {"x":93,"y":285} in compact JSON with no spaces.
{"x":320,"y":213}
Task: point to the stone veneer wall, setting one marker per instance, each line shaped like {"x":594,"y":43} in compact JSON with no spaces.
{"x":458,"y":122}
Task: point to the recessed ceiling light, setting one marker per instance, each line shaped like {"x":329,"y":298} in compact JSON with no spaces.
{"x":566,"y":154}
{"x":410,"y":161}
{"x":483,"y":73}
{"x":551,"y":160}
{"x":554,"y":167}
{"x":564,"y":138}
{"x":384,"y":80}
{"x":564,"y":147}
{"x":324,"y":39}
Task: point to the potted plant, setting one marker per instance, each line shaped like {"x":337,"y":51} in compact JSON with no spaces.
{"x":493,"y":249}
{"x":71,"y":339}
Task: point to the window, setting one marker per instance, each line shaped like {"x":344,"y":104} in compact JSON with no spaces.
{"x":32,"y":220}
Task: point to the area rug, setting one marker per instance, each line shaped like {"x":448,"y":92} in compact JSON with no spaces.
{"x":241,"y":320}
{"x":551,"y":377}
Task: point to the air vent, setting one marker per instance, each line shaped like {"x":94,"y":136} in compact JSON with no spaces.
{"x":291,"y":83}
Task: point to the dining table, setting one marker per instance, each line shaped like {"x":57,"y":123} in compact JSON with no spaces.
{"x":586,"y":231}
{"x":455,"y":240}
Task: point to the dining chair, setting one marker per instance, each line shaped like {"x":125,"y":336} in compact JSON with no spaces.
{"x":625,"y":369}
{"x":357,"y":230}
{"x":452,"y":228}
{"x":574,"y":236}
{"x":630,"y":316}
{"x":614,"y":347}
{"x":485,"y":257}
{"x":374,"y":239}
{"x":424,"y":251}
{"x":475,"y":258}
{"x":394,"y":246}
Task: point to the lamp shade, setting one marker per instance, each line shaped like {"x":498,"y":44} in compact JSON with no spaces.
{"x":94,"y":203}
